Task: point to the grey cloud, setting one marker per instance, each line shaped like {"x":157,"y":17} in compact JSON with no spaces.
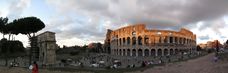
{"x":204,"y":37}
{"x":17,"y":7}
{"x":68,"y":28}
{"x":159,"y":14}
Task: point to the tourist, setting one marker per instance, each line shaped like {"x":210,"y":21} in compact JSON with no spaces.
{"x":215,"y":58}
{"x":34,"y":68}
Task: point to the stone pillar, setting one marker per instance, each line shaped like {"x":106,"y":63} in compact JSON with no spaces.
{"x":125,"y":52}
{"x":162,"y":49}
{"x":156,"y":52}
{"x":168,"y":51}
{"x":143,"y":52}
{"x":121,"y":52}
{"x":136,"y":52}
{"x":162,"y":39}
{"x":143,"y":39}
{"x":168,"y":39}
{"x":149,"y":52}
{"x":130,"y":52}
{"x":178,"y":42}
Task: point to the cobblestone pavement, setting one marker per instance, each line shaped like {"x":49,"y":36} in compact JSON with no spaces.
{"x":204,"y":64}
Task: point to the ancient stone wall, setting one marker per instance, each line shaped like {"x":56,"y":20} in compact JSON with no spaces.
{"x":136,"y":40}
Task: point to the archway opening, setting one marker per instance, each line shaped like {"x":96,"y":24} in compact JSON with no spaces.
{"x":153,"y":53}
{"x":128,"y":52}
{"x":146,"y":52}
{"x":171,"y":52}
{"x":133,"y":52}
{"x":159,"y":52}
{"x":140,"y":53}
{"x":166,"y":52}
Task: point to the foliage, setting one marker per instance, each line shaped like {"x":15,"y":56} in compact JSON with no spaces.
{"x":198,"y":48}
{"x":28,"y":25}
{"x":11,"y":49}
{"x":3,"y":22}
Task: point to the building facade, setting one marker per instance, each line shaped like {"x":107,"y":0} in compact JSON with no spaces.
{"x":136,"y":40}
{"x":47,"y":48}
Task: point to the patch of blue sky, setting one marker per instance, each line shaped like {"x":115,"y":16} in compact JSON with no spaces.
{"x":40,"y":9}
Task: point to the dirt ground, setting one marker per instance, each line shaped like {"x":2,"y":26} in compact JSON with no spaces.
{"x":23,"y":70}
{"x":204,"y":64}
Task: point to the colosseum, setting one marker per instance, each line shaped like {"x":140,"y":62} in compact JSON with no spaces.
{"x":137,"y":40}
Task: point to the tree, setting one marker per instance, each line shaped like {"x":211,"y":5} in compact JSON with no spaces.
{"x":11,"y":49}
{"x":198,"y":48}
{"x":12,"y":29}
{"x":3,"y":22}
{"x":29,"y":26}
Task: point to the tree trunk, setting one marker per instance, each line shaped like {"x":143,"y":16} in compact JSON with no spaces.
{"x":9,"y":37}
{"x":3,"y":35}
{"x":6,"y":60}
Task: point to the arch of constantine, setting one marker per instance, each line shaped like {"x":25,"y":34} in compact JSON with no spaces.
{"x":137,"y":40}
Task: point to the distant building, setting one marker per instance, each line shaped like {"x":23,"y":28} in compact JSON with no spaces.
{"x":209,"y":45}
{"x":47,"y":46}
{"x":203,"y":46}
{"x":96,"y":47}
{"x":213,"y":44}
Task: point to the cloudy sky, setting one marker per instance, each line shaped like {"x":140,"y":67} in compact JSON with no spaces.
{"x":79,"y":22}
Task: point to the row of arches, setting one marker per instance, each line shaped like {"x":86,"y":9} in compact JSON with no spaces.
{"x":145,"y":52}
{"x":145,"y":40}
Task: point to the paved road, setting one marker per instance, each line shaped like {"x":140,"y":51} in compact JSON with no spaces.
{"x":203,"y":64}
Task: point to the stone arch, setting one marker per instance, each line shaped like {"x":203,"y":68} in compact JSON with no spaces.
{"x":184,"y":40}
{"x":180,"y":40}
{"x":120,"y":41}
{"x":171,"y":39}
{"x":166,"y":52}
{"x":116,"y":52}
{"x":146,"y":52}
{"x":153,"y":52}
{"x":128,"y":40}
{"x":133,"y":41}
{"x":176,"y":51}
{"x":160,"y":39}
{"x":128,"y":52}
{"x":124,"y":41}
{"x":146,"y":40}
{"x":116,"y":41}
{"x":166,"y":39}
{"x":176,"y":40}
{"x":139,"y":40}
{"x":159,"y":52}
{"x":171,"y":51}
{"x":120,"y":52}
{"x":140,"y":52}
{"x":124,"y":52}
{"x":134,"y":52}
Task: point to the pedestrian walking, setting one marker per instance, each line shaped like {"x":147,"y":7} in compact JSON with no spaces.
{"x":215,"y":58}
{"x":35,"y":68}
